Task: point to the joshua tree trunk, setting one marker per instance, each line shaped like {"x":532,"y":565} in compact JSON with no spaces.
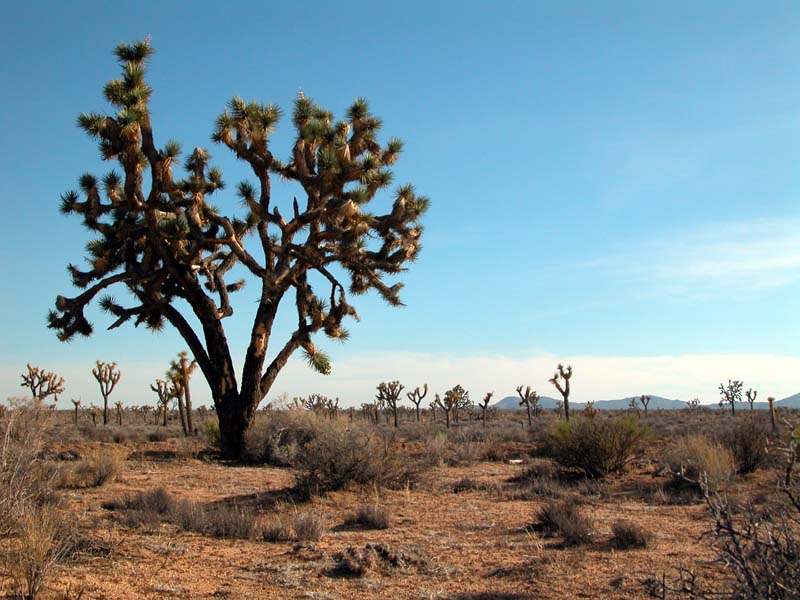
{"x":771,"y":402}
{"x":182,"y":412}
{"x":187,"y":396}
{"x":447,"y":418}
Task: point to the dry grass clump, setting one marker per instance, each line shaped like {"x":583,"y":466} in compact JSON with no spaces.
{"x":627,"y":535}
{"x":96,"y":468}
{"x":380,"y":558}
{"x":276,"y":530}
{"x":277,"y":437}
{"x":151,"y":508}
{"x":698,"y":457}
{"x":563,"y":518}
{"x":307,"y":527}
{"x":369,"y":516}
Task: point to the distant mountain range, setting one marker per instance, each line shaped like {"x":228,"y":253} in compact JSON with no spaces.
{"x":656,"y":403}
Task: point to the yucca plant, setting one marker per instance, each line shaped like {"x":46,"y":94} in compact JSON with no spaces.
{"x":159,"y":237}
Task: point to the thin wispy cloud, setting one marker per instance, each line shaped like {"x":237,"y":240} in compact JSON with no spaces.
{"x":728,"y":257}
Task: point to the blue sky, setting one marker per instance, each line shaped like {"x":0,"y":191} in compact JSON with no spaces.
{"x":609,"y":181}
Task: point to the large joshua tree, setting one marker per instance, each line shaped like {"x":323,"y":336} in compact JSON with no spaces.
{"x":159,"y":238}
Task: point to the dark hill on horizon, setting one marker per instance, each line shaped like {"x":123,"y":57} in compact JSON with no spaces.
{"x":656,"y":403}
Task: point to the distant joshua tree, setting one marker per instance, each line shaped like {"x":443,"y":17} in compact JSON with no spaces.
{"x":42,"y":383}
{"x":751,"y":395}
{"x":454,"y":399}
{"x":484,"y":404}
{"x":107,"y":376}
{"x":416,"y":397}
{"x":564,"y":375}
{"x":771,"y":402}
{"x":389,"y":394}
{"x":119,"y":409}
{"x":645,"y":400}
{"x":633,"y":405}
{"x":529,"y":399}
{"x":77,"y":405}
{"x":693,"y":404}
{"x":94,"y":413}
{"x":179,"y":374}
{"x":590,"y":411}
{"x":731,"y":394}
{"x":165,"y":394}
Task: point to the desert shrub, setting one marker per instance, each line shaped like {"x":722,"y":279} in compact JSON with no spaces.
{"x":211,"y":433}
{"x":158,"y":501}
{"x":535,"y":488}
{"x":24,"y":477}
{"x":159,"y":435}
{"x":369,"y":516}
{"x":307,"y":527}
{"x":39,"y":544}
{"x":341,"y":455}
{"x":762,"y":548}
{"x":596,"y":446}
{"x":698,"y":457}
{"x":97,"y":467}
{"x":629,"y":535}
{"x":277,"y":437}
{"x":747,"y":439}
{"x":563,"y":518}
{"x":277,"y":530}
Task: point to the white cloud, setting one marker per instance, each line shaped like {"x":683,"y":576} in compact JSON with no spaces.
{"x":596,"y":377}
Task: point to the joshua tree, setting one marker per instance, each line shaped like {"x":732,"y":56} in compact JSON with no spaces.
{"x":751,"y":395}
{"x":529,"y":399}
{"x":484,"y":404}
{"x":634,"y":406}
{"x":321,"y":404}
{"x":168,"y":243}
{"x":165,"y":393}
{"x":77,"y":405}
{"x":416,"y":397}
{"x":389,"y":394}
{"x":771,"y":402}
{"x":42,"y":383}
{"x":118,"y":407}
{"x":693,"y":404}
{"x":645,"y":400}
{"x":590,"y":411}
{"x":179,"y":373}
{"x":453,"y":399}
{"x":731,"y":394}
{"x":564,"y":375}
{"x":432,"y":406}
{"x":107,"y":376}
{"x":94,"y":413}
{"x":145,"y":411}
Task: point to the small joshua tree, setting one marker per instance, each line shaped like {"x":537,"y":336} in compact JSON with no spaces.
{"x":563,"y":375}
{"x":771,"y":402}
{"x":530,"y":400}
{"x":432,"y":406}
{"x":389,"y":394}
{"x":590,"y":411}
{"x":179,"y":374}
{"x":94,"y":413}
{"x":119,"y":409}
{"x":633,"y":406}
{"x":645,"y":400}
{"x":77,"y":405}
{"x":416,"y":397}
{"x":731,"y":394}
{"x":454,"y":399}
{"x":107,"y":376}
{"x":484,"y":404}
{"x":751,"y":395}
{"x":42,"y":383}
{"x":693,"y":404}
{"x":165,"y":394}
